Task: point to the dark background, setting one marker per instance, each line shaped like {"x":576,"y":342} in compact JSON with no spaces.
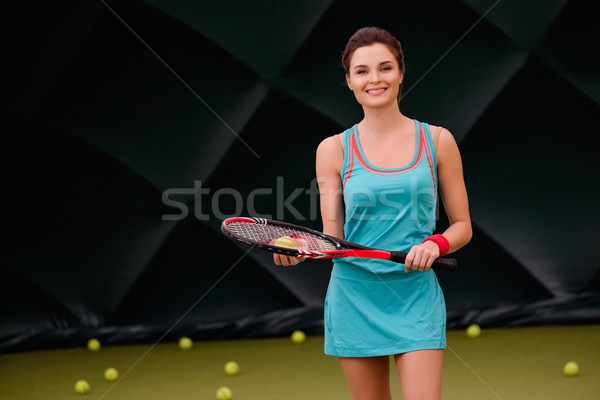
{"x":121,"y":116}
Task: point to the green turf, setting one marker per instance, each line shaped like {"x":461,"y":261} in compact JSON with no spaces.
{"x":504,"y":363}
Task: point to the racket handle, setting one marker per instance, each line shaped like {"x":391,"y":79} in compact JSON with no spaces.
{"x":449,"y":264}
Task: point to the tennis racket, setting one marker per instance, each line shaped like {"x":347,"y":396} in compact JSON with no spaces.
{"x":299,"y":241}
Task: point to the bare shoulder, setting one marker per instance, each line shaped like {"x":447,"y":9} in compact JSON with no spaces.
{"x":439,"y":132}
{"x":442,"y":137}
{"x":331,"y":146}
{"x":446,"y":147}
{"x":330,"y":153}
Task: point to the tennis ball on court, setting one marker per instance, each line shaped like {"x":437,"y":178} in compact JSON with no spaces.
{"x":571,"y":369}
{"x":185,"y":343}
{"x":232,"y":368}
{"x":94,"y":344}
{"x":111,"y":374}
{"x":473,"y":331}
{"x":82,"y":387}
{"x":224,"y":393}
{"x":286,"y":241}
{"x":298,"y":337}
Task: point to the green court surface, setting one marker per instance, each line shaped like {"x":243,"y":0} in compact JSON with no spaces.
{"x":503,"y":363}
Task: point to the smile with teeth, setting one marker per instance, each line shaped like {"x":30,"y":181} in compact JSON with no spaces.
{"x":376,"y":91}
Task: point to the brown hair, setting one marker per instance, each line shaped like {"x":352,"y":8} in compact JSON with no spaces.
{"x":370,"y":35}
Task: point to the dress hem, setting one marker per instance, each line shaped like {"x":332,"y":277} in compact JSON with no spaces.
{"x":354,"y":352}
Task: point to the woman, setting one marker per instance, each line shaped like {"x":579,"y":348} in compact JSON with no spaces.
{"x":379,"y":183}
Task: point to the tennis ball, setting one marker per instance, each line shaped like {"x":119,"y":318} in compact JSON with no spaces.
{"x":111,"y":374}
{"x":224,"y":393}
{"x":232,"y":368}
{"x":298,"y":337}
{"x":473,"y":331}
{"x":571,"y":369}
{"x":94,"y":344}
{"x":185,"y":343}
{"x":301,"y":242}
{"x":286,"y":241}
{"x":82,"y":387}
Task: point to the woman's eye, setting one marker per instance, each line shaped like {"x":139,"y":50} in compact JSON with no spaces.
{"x":386,"y":68}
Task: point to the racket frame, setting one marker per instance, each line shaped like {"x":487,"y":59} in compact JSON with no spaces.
{"x":342,"y":249}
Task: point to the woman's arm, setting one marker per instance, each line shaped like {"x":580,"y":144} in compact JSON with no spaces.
{"x":453,"y":193}
{"x":328,"y":169}
{"x":328,"y":166}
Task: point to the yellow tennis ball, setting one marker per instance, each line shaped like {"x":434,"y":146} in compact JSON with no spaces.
{"x":298,"y":337}
{"x":473,"y":331}
{"x":232,"y":368}
{"x":111,"y":374}
{"x":571,"y":369}
{"x":82,"y":387}
{"x":94,"y":344}
{"x":185,"y":343}
{"x":224,"y":393}
{"x":286,"y":241}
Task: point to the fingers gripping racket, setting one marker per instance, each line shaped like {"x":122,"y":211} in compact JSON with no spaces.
{"x":299,"y":241}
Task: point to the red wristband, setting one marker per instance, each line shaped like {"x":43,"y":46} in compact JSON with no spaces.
{"x":441,"y":241}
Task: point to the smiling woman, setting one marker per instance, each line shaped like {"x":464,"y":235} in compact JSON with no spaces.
{"x":375,"y":310}
{"x":375,"y":76}
{"x":383,"y":47}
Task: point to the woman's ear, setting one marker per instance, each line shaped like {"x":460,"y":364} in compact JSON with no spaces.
{"x":348,"y":82}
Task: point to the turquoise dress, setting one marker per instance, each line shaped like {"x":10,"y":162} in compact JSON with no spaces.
{"x":373,"y":307}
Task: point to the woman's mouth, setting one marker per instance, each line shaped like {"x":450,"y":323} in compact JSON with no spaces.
{"x":376,"y":91}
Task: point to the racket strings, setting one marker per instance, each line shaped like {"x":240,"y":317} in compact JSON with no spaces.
{"x":267,"y":234}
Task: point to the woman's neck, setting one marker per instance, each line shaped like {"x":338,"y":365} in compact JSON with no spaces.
{"x":383,"y":121}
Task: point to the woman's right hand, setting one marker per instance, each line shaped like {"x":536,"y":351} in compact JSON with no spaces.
{"x":286,"y":261}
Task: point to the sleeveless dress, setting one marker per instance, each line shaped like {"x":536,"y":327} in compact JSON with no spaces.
{"x":373,"y":307}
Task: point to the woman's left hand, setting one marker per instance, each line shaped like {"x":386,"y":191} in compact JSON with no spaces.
{"x":421,"y":256}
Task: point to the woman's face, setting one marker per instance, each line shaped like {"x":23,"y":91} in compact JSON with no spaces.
{"x":374,"y":76}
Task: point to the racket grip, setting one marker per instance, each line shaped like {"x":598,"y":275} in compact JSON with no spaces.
{"x":449,"y":264}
